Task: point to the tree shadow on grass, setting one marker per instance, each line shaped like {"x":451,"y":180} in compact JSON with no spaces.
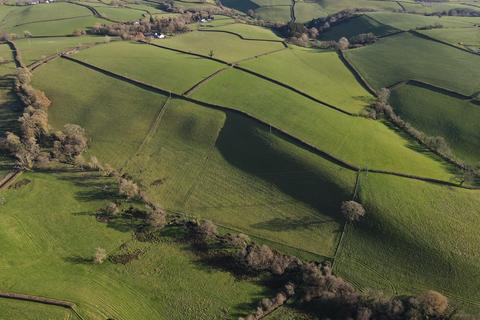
{"x":78,"y":260}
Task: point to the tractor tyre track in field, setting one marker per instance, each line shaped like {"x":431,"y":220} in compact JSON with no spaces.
{"x":281,"y":132}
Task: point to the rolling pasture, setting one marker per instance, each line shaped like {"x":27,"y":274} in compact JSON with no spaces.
{"x":437,"y":114}
{"x":417,"y":59}
{"x":467,"y":38}
{"x":236,"y":143}
{"x":49,"y":225}
{"x":320,"y":74}
{"x":224,"y":46}
{"x":417,"y":235}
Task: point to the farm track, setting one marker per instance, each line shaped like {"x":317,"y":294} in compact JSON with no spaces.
{"x":282,"y":133}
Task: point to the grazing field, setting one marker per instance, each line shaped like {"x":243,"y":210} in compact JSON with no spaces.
{"x":280,"y":14}
{"x":318,"y":73}
{"x":34,"y":49}
{"x":120,"y":13}
{"x":228,"y":169}
{"x":14,"y":309}
{"x":39,"y":14}
{"x":436,"y":114}
{"x":333,"y":6}
{"x":349,"y":138}
{"x":150,"y":64}
{"x":468,"y":38}
{"x":433,"y":7}
{"x":58,"y":27}
{"x":417,"y":236}
{"x":246,"y":31}
{"x":355,"y":26}
{"x":7,"y":68}
{"x":49,"y":225}
{"x":405,"y":21}
{"x":224,"y":46}
{"x":419,"y":59}
{"x":306,"y":11}
{"x":123,"y":113}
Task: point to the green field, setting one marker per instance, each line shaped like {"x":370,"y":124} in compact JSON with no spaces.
{"x":48,"y":233}
{"x":175,"y":148}
{"x":34,"y":49}
{"x":333,"y":6}
{"x":120,"y":13}
{"x":318,"y":73}
{"x":441,"y":115}
{"x":225,"y":46}
{"x":115,"y":135}
{"x":306,"y":11}
{"x":411,"y":21}
{"x":280,"y":14}
{"x":418,"y":59}
{"x":416,"y":236}
{"x":150,"y":64}
{"x":15,"y":309}
{"x":349,"y":138}
{"x":468,"y":38}
{"x":355,"y":26}
{"x":246,"y":31}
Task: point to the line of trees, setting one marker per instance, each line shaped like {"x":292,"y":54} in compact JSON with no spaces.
{"x":381,"y":108}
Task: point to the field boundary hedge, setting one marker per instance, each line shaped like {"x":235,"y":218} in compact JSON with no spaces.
{"x":94,"y":11}
{"x":9,"y":178}
{"x":16,"y":54}
{"x":201,"y":82}
{"x":360,"y":79}
{"x":281,"y":132}
{"x":432,"y":87}
{"x":50,"y":20}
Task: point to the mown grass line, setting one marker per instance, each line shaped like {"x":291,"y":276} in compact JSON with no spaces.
{"x":281,"y":132}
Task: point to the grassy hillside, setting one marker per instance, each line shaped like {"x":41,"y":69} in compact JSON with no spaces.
{"x":355,"y":26}
{"x":306,"y":11}
{"x":405,"y":21}
{"x":150,"y":64}
{"x":318,"y":73}
{"x":405,"y":56}
{"x":14,"y":309}
{"x":225,"y":46}
{"x":230,"y":170}
{"x":415,"y":236}
{"x":57,"y":27}
{"x":468,"y":38}
{"x":439,"y":114}
{"x":245,"y":30}
{"x":35,"y":49}
{"x":122,"y":117}
{"x":349,"y":138}
{"x":48,"y":234}
{"x":120,"y":13}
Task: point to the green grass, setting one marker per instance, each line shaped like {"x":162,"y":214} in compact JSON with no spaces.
{"x":333,"y":6}
{"x":318,"y":73}
{"x":241,"y":5}
{"x":34,"y":49}
{"x":150,"y":64}
{"x":262,"y":3}
{"x":405,"y":56}
{"x":123,"y":113}
{"x":58,"y":28}
{"x":468,"y":38}
{"x":355,"y":26}
{"x":15,"y":309}
{"x":434,"y":6}
{"x":43,"y":12}
{"x":366,"y":143}
{"x":247,"y":31}
{"x":120,"y":13}
{"x":306,"y":11}
{"x":48,"y":231}
{"x":439,"y":114}
{"x":416,"y":236}
{"x":404,"y":21}
{"x":8,"y":66}
{"x":280,"y":14}
{"x":225,"y":46}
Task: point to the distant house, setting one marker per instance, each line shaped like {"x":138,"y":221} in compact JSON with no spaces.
{"x":159,"y":36}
